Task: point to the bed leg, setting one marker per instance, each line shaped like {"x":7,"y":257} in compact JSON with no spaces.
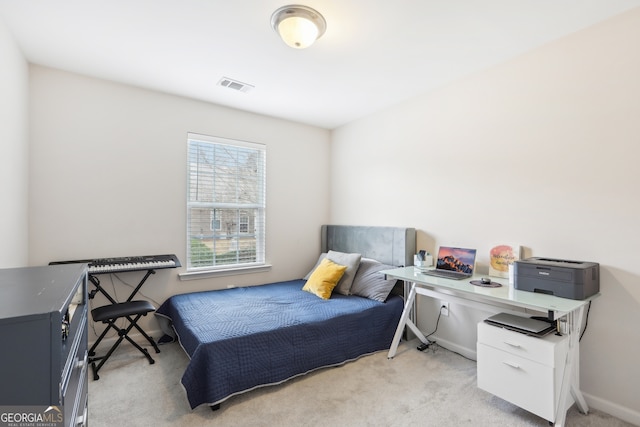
{"x":215,"y":407}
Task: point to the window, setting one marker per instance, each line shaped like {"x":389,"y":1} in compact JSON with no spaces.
{"x":216,"y":224}
{"x":225,"y":203}
{"x":244,"y":223}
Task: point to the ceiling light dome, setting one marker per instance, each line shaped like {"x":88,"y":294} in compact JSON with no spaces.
{"x":298,"y":26}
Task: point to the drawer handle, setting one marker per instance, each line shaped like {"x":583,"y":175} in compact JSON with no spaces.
{"x":513,"y":365}
{"x":81,"y":420}
{"x":81,"y":362}
{"x":512,"y":344}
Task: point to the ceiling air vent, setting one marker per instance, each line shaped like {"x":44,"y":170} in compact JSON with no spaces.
{"x":235,"y":85}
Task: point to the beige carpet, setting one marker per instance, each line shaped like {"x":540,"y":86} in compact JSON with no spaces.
{"x":434,"y":388}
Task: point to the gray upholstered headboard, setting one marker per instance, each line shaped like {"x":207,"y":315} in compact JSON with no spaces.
{"x":389,"y":245}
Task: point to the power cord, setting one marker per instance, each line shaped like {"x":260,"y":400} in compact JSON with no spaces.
{"x":140,"y":292}
{"x":586,"y":321}
{"x":423,"y":346}
{"x":437,"y":321}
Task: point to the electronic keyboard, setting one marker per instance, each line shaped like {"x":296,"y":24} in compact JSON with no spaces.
{"x":130,"y":263}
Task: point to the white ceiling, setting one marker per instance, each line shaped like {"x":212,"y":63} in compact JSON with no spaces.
{"x":375,"y":53}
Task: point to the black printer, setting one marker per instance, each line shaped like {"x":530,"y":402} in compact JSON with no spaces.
{"x":562,"y":278}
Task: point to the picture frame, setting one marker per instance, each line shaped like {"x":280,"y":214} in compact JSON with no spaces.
{"x":500,"y":257}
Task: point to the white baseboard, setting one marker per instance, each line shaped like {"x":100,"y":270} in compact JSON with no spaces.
{"x":464,"y":351}
{"x":107,"y":342}
{"x":625,"y":414}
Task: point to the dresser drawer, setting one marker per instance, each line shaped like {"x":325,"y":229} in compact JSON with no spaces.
{"x":546,"y":350}
{"x":74,"y":398}
{"x":521,"y":381}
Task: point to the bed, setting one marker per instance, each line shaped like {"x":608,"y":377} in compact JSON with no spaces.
{"x":243,"y":338}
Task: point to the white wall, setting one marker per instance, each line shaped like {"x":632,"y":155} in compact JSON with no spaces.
{"x":541,"y":151}
{"x":108,"y":178}
{"x":14,"y":158}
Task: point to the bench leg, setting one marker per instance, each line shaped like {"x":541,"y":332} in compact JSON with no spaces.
{"x":143,"y":350}
{"x":144,"y":334}
{"x":123,"y":334}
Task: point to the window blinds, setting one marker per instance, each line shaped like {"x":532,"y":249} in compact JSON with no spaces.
{"x":225,"y":203}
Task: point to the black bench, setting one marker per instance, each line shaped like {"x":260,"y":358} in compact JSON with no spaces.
{"x":109,"y":314}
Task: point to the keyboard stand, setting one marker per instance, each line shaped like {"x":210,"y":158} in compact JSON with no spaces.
{"x":96,"y":282}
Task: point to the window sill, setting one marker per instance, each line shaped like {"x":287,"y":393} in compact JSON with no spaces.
{"x":205,"y":274}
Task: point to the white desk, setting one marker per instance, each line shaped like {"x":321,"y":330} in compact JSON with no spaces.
{"x":506,"y":299}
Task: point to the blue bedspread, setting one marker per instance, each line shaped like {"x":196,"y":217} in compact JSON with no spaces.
{"x":242,"y":338}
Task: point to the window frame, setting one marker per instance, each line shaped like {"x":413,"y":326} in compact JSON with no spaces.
{"x":218,"y":203}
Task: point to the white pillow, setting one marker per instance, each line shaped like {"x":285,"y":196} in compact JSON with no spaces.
{"x":352,"y":261}
{"x":370,"y":283}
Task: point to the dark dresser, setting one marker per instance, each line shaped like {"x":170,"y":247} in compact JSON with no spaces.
{"x":43,"y":331}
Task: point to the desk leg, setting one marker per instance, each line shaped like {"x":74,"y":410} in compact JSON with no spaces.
{"x":575,"y":384}
{"x":404,"y":320}
{"x":571,"y":377}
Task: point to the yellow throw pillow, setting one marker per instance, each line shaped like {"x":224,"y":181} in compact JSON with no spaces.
{"x":324,"y":278}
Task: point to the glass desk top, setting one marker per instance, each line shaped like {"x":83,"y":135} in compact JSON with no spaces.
{"x":504,"y":294}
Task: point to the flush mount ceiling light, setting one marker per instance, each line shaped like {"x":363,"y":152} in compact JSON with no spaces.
{"x":298,"y":26}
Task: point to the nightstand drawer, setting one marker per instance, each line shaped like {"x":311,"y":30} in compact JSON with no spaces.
{"x":521,"y":381}
{"x":546,"y":350}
